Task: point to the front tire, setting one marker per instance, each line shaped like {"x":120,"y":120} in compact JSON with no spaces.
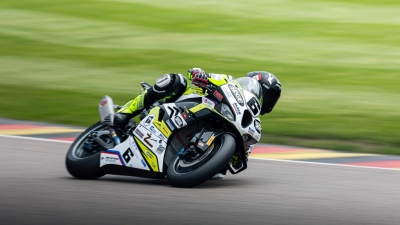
{"x":81,"y":164}
{"x":196,"y":174}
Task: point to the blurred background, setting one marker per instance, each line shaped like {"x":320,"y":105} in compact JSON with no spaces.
{"x":338,"y":61}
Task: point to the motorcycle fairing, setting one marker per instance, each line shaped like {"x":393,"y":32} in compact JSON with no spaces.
{"x":112,"y":157}
{"x":209,"y":102}
{"x":127,"y":153}
{"x":145,"y":147}
{"x":175,"y":115}
{"x":149,"y":156}
{"x":149,"y":140}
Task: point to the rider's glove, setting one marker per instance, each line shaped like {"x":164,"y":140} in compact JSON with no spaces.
{"x":194,"y":71}
{"x":198,"y":77}
{"x":200,"y":80}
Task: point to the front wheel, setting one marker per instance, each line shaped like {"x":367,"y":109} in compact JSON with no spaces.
{"x":185,"y":173}
{"x":83,"y":157}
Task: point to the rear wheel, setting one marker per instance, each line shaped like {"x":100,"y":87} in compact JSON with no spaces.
{"x":191,"y":170}
{"x":83,"y":157}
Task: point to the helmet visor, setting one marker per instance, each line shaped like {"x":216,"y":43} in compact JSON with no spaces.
{"x":251,"y":85}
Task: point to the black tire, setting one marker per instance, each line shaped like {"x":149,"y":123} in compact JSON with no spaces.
{"x":213,"y":163}
{"x":88,"y":165}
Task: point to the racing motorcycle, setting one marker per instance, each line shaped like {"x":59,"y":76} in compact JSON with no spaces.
{"x":187,"y":142}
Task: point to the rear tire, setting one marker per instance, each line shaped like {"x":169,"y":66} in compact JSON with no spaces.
{"x":88,"y":165}
{"x":217,"y":159}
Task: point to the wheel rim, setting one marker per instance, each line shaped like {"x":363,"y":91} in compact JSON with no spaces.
{"x":79,"y":152}
{"x":183,"y":165}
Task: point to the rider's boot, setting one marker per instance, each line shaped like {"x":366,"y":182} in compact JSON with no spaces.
{"x":130,"y":110}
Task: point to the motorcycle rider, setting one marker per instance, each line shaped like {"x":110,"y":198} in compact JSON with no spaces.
{"x":169,"y":87}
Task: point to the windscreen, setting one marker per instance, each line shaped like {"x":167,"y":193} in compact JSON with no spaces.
{"x":251,"y":85}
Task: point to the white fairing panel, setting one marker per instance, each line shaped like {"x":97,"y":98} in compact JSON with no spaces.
{"x":236,"y":107}
{"x":127,"y":154}
{"x":176,"y":117}
{"x":254,"y":129}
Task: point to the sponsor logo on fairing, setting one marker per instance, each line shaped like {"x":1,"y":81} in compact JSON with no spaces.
{"x":113,"y":153}
{"x":178,"y":121}
{"x":144,"y":164}
{"x":148,"y":120}
{"x":139,"y":133}
{"x":103,"y":103}
{"x":218,"y":95}
{"x":184,"y":115}
{"x":171,"y":127}
{"x":238,"y":96}
{"x":148,"y":138}
{"x":251,"y":131}
{"x":209,"y":102}
{"x":149,"y":154}
{"x":111,"y":159}
{"x":254,"y":106}
{"x":236,"y":108}
{"x":257,"y":125}
{"x":161,"y":137}
{"x":166,"y":130}
{"x":128,"y":154}
{"x":160,"y":150}
{"x":153,"y":129}
{"x":227,"y":92}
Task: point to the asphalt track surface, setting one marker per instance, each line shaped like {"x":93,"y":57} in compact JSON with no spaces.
{"x":35,"y":188}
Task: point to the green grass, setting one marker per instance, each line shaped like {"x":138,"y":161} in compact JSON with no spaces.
{"x":338,"y":61}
